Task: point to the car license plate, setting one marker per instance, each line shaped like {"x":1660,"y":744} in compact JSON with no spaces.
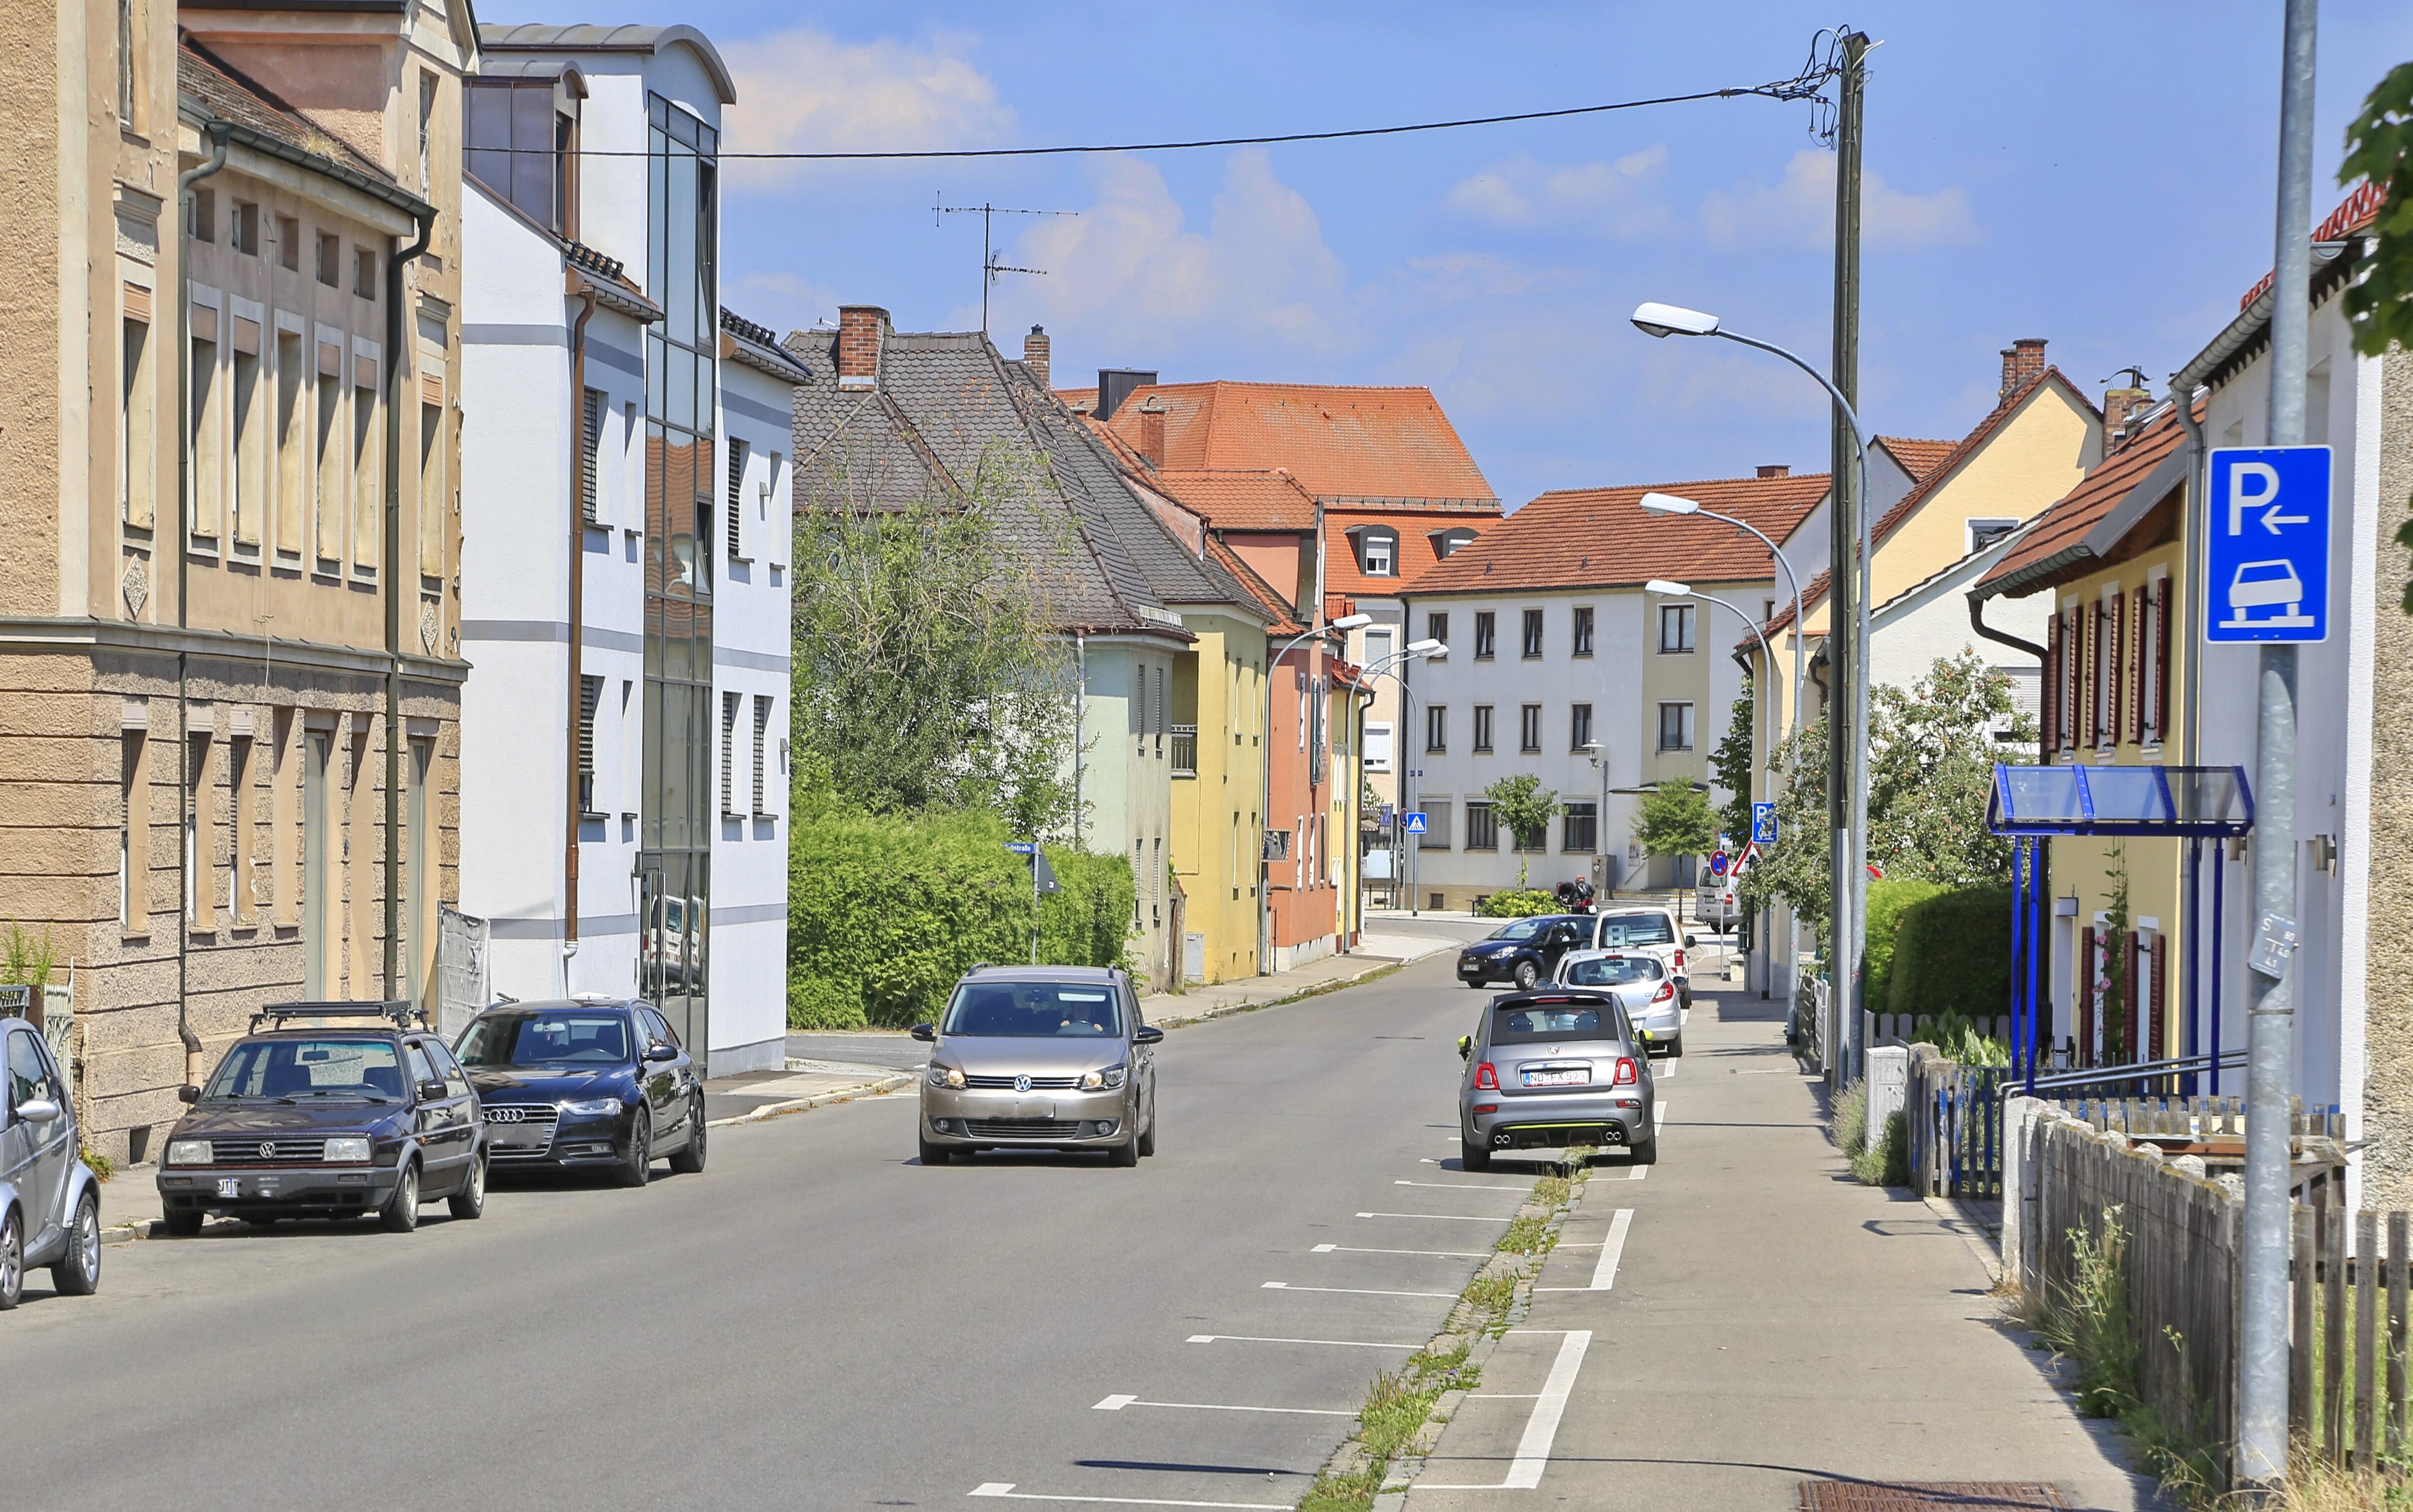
{"x":520,"y":1135}
{"x":229,"y":1186}
{"x":1557,"y":1076}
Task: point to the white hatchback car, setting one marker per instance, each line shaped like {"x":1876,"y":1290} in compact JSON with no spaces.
{"x":1642,"y":986}
{"x":1653,"y":930}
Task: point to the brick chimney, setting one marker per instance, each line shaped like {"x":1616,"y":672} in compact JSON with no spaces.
{"x":2119,"y":406}
{"x":1776,"y":470}
{"x":860,"y":329}
{"x":2022,"y":360}
{"x":1151,"y":431}
{"x":1034,"y":354}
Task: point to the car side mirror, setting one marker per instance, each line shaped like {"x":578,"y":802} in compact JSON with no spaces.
{"x":924,"y":1032}
{"x":1148,"y":1034}
{"x":1465,"y":1046}
{"x":431,"y":1091}
{"x":188,"y":1094}
{"x":37,"y":1110}
{"x":662,"y":1052}
{"x":1692,"y":941}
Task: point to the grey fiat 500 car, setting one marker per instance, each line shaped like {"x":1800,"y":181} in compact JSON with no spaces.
{"x":1556,"y":1067}
{"x":49,"y":1201}
{"x":1051,"y":1057}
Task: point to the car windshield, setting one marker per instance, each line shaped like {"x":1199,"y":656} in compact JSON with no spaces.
{"x":1618,"y":930}
{"x":1032,"y":1010}
{"x":1565,"y":1019}
{"x":361,"y":1070}
{"x":1518,"y":929}
{"x":545,"y":1036}
{"x":1612,"y":972}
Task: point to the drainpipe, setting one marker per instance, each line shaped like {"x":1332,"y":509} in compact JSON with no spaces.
{"x":1977,"y":623}
{"x":218,"y":132}
{"x":396,"y":329}
{"x":577,"y":620}
{"x":2184,"y":404}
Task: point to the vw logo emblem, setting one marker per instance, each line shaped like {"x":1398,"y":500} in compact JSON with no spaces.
{"x":1022,"y":1084}
{"x":267,"y":1149}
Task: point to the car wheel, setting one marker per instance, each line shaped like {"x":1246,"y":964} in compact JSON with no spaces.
{"x":1527,"y":974}
{"x":471,"y":1201}
{"x":12,"y":1259}
{"x":1676,"y":1047}
{"x":1645,"y":1153}
{"x":183,"y":1223}
{"x":638,"y":1169}
{"x":1125,"y":1154}
{"x":937,"y":1154}
{"x":1147,"y":1135}
{"x":400,"y":1215}
{"x":690,"y":1160}
{"x":77,"y":1272}
{"x":1472,"y":1156}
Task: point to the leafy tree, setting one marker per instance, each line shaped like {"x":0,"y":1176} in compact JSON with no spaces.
{"x":1730,"y":763}
{"x":1676,"y":820}
{"x":2379,"y":299}
{"x":926,"y":671}
{"x":1526,"y":808}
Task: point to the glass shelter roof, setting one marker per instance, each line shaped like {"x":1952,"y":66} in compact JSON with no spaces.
{"x":2181,"y":801}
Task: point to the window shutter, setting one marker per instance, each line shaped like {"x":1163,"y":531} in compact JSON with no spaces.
{"x":2162,"y":662}
{"x":2049,"y":707}
{"x":736,"y":499}
{"x":2089,"y":974}
{"x":2144,"y":664}
{"x":590,"y":694}
{"x":2114,"y":670}
{"x":2156,"y":1048}
{"x":591,"y":453}
{"x":762,"y":740}
{"x":728,"y":753}
{"x":2090,"y":637}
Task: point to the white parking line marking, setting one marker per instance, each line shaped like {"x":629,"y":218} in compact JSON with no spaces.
{"x":1434,"y":1254}
{"x":1346,"y":1291}
{"x":1462,"y":1186}
{"x":1116,"y":1403}
{"x":1501,"y":1396}
{"x":1005,"y":1489}
{"x":1665,"y":1068}
{"x":1658,"y":1117}
{"x":1253,"y":1339}
{"x":1604,"y":1275}
{"x":1542,"y":1428}
{"x":1441,"y":1217}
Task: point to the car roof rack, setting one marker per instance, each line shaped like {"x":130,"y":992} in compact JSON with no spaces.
{"x":597,"y":1000}
{"x":398,"y":1011}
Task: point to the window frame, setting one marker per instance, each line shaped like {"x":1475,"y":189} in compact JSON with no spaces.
{"x":1436,"y":729}
{"x":1687,"y":729}
{"x":1679,"y":618}
{"x":1373,"y":539}
{"x":1480,"y":737}
{"x":1579,"y":726}
{"x":1531,"y":636}
{"x":1581,"y":629}
{"x":1482,"y":825}
{"x":1487,"y":635}
{"x":1529,"y":728}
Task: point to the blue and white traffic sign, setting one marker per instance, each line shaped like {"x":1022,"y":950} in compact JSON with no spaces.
{"x":2267,"y":562}
{"x":1718,"y":864}
{"x":1412,"y":822}
{"x":1763,"y":824}
{"x":1021,"y":847}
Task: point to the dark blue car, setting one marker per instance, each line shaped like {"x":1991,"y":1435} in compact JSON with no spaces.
{"x":586,"y":1082}
{"x":1523,"y":951}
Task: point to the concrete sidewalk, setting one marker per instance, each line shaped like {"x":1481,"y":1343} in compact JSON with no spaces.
{"x":1375,"y":954}
{"x":1748,"y":1320}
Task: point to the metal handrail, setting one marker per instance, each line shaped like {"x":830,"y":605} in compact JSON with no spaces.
{"x":2139,"y":1071}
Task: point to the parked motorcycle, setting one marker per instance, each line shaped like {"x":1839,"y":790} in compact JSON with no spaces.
{"x":1576,"y":896}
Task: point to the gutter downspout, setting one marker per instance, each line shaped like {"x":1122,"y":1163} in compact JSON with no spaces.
{"x":2183,"y":403}
{"x":218,"y":132}
{"x":586,"y":291}
{"x":1977,"y":623}
{"x":395,"y":330}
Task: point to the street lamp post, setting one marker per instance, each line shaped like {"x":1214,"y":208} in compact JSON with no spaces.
{"x":1266,"y":809}
{"x":1848,"y":852}
{"x":1658,"y":503}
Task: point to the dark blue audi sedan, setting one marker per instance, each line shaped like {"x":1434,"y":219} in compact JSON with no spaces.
{"x":588,"y":1082}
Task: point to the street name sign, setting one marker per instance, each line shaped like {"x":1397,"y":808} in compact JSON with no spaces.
{"x":1022,"y":847}
{"x":2267,"y":557}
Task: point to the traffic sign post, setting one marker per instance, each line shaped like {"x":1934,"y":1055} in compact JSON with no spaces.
{"x":1412,"y":822}
{"x":1763,"y":824}
{"x":2267,"y":559}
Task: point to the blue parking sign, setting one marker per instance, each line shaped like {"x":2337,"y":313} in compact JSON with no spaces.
{"x":1763,"y":824}
{"x":2267,"y":551}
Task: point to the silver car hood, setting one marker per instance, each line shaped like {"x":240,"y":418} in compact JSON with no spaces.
{"x":1020,"y":1055}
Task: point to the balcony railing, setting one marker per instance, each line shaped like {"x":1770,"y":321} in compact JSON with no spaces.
{"x":1184,"y":750}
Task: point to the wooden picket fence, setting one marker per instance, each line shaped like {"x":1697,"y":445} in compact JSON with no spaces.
{"x":1955,"y":1117}
{"x":2345,"y":1364}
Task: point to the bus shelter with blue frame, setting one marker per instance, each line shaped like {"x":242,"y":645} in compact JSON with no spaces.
{"x":2032,"y":804}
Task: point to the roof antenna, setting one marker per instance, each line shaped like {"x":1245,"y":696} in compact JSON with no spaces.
{"x":991,"y":267}
{"x":2136,"y":377}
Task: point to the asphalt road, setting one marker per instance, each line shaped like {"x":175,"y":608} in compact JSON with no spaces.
{"x":817,"y":1320}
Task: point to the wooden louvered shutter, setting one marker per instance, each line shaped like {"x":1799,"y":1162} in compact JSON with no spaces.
{"x":2116,"y":614}
{"x":2143,"y":659}
{"x":2049,"y":707}
{"x":2162,"y":662}
{"x":2088,"y":973}
{"x":2156,"y":1044}
{"x":2090,"y":663}
{"x":590,"y":452}
{"x":590,"y":694}
{"x":2073,"y":675}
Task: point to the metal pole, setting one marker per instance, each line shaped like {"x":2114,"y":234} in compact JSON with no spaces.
{"x":1844,"y":734}
{"x":2018,"y":945}
{"x":2194,"y":957}
{"x":2219,"y":914}
{"x":2269,"y":1023}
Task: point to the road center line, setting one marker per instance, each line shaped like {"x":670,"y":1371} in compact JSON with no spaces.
{"x":1116,"y":1403}
{"x":1346,"y":1291}
{"x":1434,"y":1254}
{"x":1444,"y":1218}
{"x":1005,"y":1489}
{"x":1253,"y":1339}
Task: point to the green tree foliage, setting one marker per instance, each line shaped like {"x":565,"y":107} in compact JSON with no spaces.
{"x":1526,"y":807}
{"x":2379,"y":301}
{"x":1676,"y":819}
{"x":1730,"y":764}
{"x":927,"y":672}
{"x":1518,"y":903}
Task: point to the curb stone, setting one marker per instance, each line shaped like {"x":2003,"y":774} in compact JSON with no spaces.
{"x":1172,"y":1022}
{"x":801,"y":1105}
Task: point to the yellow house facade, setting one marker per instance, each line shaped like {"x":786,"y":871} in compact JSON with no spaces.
{"x":1219,"y":700}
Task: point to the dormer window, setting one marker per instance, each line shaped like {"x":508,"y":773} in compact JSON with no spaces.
{"x":1378,"y":551}
{"x":1446,"y":541}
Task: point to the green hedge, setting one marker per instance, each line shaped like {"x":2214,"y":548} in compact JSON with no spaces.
{"x":1887,"y":900}
{"x":884,"y":913}
{"x":1518,"y":903}
{"x":1952,"y":956}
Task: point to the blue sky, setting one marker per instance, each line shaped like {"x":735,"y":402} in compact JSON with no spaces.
{"x":2100,"y":176}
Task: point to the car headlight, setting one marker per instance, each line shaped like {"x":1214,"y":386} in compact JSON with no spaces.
{"x":1107,"y":1080}
{"x":591,"y":1106}
{"x":348,"y":1148}
{"x":946,"y":1075}
{"x":189,"y":1152}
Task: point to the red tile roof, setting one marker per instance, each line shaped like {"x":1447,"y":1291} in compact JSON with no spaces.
{"x":1418,"y":557}
{"x":1238,"y":499}
{"x":1917,"y":458}
{"x":2354,"y":213}
{"x":1583,"y":538}
{"x":1285,"y":616}
{"x":1345,"y":444}
{"x":2062,"y":529}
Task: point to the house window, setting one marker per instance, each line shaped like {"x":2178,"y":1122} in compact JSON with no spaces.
{"x":1578,"y":726}
{"x":2153,"y":693}
{"x":1675,"y":627}
{"x":1529,"y":727}
{"x":243,"y":229}
{"x":247,"y":479}
{"x":203,"y":227}
{"x":1487,"y":637}
{"x":125,"y":94}
{"x":330,"y":442}
{"x":1378,"y":552}
{"x":1378,"y":746}
{"x":1985,"y":530}
{"x":136,"y":458}
{"x":1437,"y":628}
{"x":1436,"y":835}
{"x":368,"y":469}
{"x":1533,"y":633}
{"x":288,"y":244}
{"x":292,"y":436}
{"x":1483,"y":727}
{"x":729,"y":703}
{"x":736,"y":489}
{"x":1675,"y":727}
{"x":203,"y":505}
{"x":2104,"y":706}
{"x":426,"y":130}
{"x":1437,"y":727}
{"x":590,"y":456}
{"x":331,"y":260}
{"x":1481,"y":828}
{"x":590,"y":694}
{"x":1582,"y":833}
{"x":1446,"y":543}
{"x":364,"y":272}
{"x":762,"y":791}
{"x":1580,"y":638}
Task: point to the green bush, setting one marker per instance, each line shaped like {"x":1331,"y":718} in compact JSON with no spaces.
{"x":1952,"y":956}
{"x":1887,"y":901}
{"x":885,"y":913}
{"x":1518,"y":903}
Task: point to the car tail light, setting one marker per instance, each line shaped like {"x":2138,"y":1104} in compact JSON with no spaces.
{"x":1666,"y":993}
{"x":1626,"y":1073}
{"x":1486,"y":1077}
{"x":1679,"y":960}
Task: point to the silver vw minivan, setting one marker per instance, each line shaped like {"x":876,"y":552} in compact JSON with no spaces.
{"x":1045,"y":1057}
{"x":1551,"y":1067}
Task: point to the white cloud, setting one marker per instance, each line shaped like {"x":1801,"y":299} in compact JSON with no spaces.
{"x":805,"y":91}
{"x":1611,"y":198}
{"x":784,"y":301}
{"x":1129,"y":273}
{"x":1800,"y":212}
